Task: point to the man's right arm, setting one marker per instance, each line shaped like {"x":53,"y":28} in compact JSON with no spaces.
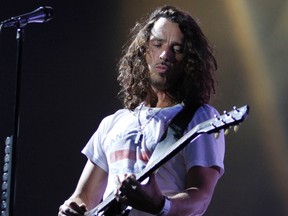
{"x":88,"y":193}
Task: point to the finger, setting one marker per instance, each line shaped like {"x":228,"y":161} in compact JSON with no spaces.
{"x":132,"y":176}
{"x":117,"y":193}
{"x":84,"y":207}
{"x":122,"y":199}
{"x":128,"y":186}
{"x":122,"y":190}
{"x":125,"y":185}
{"x":79,"y":209}
{"x":119,"y":196}
{"x":63,"y":210}
{"x":117,"y":180}
{"x":134,"y":184}
{"x":131,"y":181}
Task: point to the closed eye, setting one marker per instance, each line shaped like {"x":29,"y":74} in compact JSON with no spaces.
{"x":157,"y":44}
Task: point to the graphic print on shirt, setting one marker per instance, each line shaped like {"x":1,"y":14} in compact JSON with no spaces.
{"x":125,"y":152}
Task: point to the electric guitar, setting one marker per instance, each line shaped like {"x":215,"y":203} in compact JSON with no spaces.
{"x":110,"y":206}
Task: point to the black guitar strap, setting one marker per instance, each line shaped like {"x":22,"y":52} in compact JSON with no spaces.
{"x":174,"y":131}
{"x":180,"y":122}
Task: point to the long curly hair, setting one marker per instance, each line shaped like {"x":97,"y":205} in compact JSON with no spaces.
{"x":197,"y":85}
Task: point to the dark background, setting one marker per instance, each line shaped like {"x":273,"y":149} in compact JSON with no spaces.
{"x":69,"y":85}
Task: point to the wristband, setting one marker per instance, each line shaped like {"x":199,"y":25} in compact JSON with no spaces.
{"x":166,"y":207}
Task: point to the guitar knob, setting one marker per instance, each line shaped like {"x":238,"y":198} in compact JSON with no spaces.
{"x":226,"y":132}
{"x":236,"y":128}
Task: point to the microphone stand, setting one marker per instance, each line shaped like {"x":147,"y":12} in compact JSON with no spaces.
{"x":20,"y":39}
{"x":10,"y":159}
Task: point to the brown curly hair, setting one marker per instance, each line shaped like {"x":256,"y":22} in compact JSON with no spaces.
{"x":195,"y":87}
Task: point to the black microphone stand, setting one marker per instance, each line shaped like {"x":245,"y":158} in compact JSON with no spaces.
{"x":10,"y":159}
{"x":20,"y":39}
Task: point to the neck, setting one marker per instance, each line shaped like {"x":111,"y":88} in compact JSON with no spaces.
{"x":160,"y":99}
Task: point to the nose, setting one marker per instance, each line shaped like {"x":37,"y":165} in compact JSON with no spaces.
{"x":166,"y":55}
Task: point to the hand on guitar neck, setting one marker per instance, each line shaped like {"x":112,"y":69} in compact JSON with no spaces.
{"x":144,"y":197}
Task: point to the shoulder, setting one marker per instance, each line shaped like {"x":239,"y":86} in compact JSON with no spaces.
{"x":207,"y":109}
{"x":118,"y":114}
{"x":203,"y":113}
{"x":109,"y":120}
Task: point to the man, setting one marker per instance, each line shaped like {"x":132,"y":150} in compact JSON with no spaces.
{"x":167,"y":66}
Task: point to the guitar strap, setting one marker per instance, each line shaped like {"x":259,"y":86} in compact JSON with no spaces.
{"x":174,"y":131}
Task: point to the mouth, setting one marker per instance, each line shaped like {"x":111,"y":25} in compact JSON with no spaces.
{"x":162,"y":68}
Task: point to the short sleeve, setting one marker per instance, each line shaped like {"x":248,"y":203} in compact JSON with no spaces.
{"x":94,"y":149}
{"x":206,"y":150}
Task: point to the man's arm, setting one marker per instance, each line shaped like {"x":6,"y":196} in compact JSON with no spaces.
{"x":88,"y":193}
{"x":194,"y":200}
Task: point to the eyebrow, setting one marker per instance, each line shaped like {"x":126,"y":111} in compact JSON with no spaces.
{"x":155,"y":38}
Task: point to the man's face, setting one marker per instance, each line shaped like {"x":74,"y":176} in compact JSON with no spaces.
{"x":165,"y":55}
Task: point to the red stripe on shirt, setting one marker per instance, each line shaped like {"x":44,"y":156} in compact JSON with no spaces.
{"x":127,"y":154}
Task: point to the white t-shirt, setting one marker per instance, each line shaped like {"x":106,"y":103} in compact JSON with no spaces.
{"x":112,"y":147}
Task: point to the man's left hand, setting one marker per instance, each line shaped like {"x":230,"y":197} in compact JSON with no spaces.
{"x":147,"y":197}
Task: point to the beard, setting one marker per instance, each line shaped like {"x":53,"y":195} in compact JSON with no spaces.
{"x":165,"y":81}
{"x":159,"y":81}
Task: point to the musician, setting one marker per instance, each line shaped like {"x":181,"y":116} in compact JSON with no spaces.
{"x":167,"y":66}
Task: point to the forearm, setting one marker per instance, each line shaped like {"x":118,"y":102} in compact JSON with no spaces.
{"x":91,"y":186}
{"x":192,"y":202}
